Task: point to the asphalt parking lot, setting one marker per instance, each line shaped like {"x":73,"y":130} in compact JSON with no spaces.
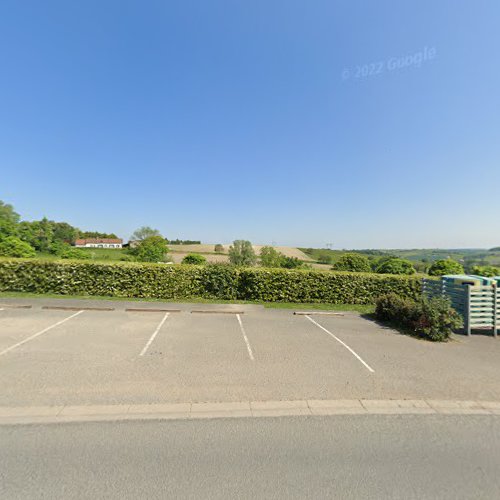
{"x":58,"y":352}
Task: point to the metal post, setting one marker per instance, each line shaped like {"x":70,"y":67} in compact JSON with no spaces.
{"x":468,"y":310}
{"x":496,"y":297}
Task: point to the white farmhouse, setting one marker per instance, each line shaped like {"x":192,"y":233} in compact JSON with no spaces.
{"x":99,"y":243}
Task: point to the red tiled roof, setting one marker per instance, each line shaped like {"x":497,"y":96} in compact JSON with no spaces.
{"x":99,"y":240}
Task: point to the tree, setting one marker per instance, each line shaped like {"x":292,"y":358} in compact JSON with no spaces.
{"x":151,"y":249}
{"x":445,"y":266}
{"x":353,"y":262}
{"x":65,"y":232}
{"x":96,"y":234}
{"x":9,"y":220}
{"x":219,"y":248}
{"x":39,"y":234}
{"x":14,"y":247}
{"x":488,"y":271}
{"x":144,"y":232}
{"x":270,"y":257}
{"x":194,"y":258}
{"x":7,"y":212}
{"x":395,"y":266}
{"x":241,"y":253}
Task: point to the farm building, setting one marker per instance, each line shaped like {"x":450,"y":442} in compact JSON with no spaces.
{"x":99,"y":243}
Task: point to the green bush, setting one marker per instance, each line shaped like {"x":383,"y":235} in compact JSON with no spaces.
{"x":218,"y":248}
{"x":11,"y":246}
{"x":194,"y":258}
{"x":395,"y":266}
{"x":151,"y":249}
{"x":354,"y":262}
{"x":326,"y":258}
{"x":290,"y":262}
{"x":213,"y":281}
{"x":433,"y":319}
{"x":445,"y":266}
{"x":488,"y":271}
{"x":74,"y":253}
{"x":392,"y":308}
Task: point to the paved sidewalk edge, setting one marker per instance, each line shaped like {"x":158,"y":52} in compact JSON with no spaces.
{"x":242,"y":409}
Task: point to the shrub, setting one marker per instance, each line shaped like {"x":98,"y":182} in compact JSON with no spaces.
{"x":392,"y":307}
{"x":488,"y":271}
{"x":241,"y":253}
{"x":325,"y":258}
{"x":74,"y":253}
{"x":151,"y":249}
{"x":11,"y":246}
{"x":219,"y":248}
{"x":194,"y":258}
{"x":353,"y":262}
{"x":213,"y":281}
{"x":395,"y":266}
{"x":433,"y":319}
{"x":445,"y":266}
{"x":290,"y":262}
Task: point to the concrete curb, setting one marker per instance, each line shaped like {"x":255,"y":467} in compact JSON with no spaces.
{"x":184,"y":411}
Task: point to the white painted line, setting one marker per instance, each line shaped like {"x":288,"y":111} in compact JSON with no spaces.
{"x":357,"y":356}
{"x":5,"y":351}
{"x":245,"y":338}
{"x":150,"y":341}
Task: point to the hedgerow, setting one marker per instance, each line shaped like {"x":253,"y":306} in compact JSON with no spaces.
{"x":210,"y":282}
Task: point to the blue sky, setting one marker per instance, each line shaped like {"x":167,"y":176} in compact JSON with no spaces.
{"x":274,"y":121}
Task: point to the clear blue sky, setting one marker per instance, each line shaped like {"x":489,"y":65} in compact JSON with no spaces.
{"x":217,"y":120}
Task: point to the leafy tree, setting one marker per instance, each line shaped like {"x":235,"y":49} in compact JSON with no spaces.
{"x":241,"y":253}
{"x":219,"y":248}
{"x":11,"y":246}
{"x":7,"y":212}
{"x":445,"y":266}
{"x":488,"y":271}
{"x":151,"y":249}
{"x":353,"y":262}
{"x":144,"y":232}
{"x":9,"y":220}
{"x":270,"y":257}
{"x":194,"y":258}
{"x":39,"y":234}
{"x":396,"y":266}
{"x":65,"y":232}
{"x":96,"y":234}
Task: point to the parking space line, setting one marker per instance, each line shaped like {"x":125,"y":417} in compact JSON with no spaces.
{"x":357,"y":356}
{"x":245,"y":338}
{"x":155,"y":333}
{"x":31,"y":337}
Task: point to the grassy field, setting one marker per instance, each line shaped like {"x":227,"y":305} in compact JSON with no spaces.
{"x":98,"y":254}
{"x":468,"y":257}
{"x":425,"y":255}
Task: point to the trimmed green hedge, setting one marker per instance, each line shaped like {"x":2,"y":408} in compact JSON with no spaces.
{"x":210,"y":282}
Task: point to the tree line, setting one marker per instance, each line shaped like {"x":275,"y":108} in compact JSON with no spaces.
{"x":21,"y":238}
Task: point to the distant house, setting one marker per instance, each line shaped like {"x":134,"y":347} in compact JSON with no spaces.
{"x":99,"y":243}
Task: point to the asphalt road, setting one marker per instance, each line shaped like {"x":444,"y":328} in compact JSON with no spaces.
{"x":294,"y":457}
